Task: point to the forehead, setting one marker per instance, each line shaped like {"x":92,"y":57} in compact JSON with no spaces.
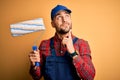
{"x":62,"y":12}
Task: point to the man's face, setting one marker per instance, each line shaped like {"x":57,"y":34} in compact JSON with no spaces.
{"x":62,"y":22}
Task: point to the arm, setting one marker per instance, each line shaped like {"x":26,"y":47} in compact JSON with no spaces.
{"x":35,"y":71}
{"x":83,"y":62}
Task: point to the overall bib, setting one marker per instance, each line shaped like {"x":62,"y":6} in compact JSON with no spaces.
{"x":59,"y":67}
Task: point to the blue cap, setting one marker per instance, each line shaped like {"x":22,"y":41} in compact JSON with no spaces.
{"x":57,"y":9}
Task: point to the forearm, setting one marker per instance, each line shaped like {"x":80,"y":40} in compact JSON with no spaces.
{"x":35,"y":72}
{"x":84,"y":68}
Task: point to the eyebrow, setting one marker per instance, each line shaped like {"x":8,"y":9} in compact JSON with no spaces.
{"x":59,"y":13}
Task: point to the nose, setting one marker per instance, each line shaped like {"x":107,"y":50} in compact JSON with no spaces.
{"x":64,"y":19}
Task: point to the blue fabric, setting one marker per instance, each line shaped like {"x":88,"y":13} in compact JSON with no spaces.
{"x":59,"y":67}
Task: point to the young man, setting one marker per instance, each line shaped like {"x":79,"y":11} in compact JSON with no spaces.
{"x":64,"y":56}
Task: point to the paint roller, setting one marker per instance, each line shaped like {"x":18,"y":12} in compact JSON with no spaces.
{"x":28,"y":26}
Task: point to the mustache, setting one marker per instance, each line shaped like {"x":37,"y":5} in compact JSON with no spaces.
{"x":65,"y":23}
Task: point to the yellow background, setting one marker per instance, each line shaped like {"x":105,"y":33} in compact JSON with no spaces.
{"x":97,"y":21}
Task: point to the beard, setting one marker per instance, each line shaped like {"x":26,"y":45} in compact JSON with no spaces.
{"x":63,"y":31}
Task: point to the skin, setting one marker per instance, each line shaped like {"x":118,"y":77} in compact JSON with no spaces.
{"x":63,"y":25}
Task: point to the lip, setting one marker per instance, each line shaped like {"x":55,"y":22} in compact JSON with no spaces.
{"x":64,"y":27}
{"x":65,"y":24}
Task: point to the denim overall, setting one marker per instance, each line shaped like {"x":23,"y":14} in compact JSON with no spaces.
{"x":59,"y":67}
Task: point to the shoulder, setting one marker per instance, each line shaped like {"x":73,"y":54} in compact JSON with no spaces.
{"x":81,"y":41}
{"x":83,"y":45}
{"x":44,"y":44}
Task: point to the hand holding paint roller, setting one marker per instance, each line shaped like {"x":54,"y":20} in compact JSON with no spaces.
{"x":36,"y":56}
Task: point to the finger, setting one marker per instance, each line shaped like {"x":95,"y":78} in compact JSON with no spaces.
{"x":65,"y":40}
{"x":32,"y":52}
{"x":69,"y":34}
{"x":33,"y":59}
{"x":36,"y":58}
{"x":36,"y":52}
{"x":31,"y":55}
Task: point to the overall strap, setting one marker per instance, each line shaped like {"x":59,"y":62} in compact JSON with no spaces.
{"x":52,"y":47}
{"x":74,"y":40}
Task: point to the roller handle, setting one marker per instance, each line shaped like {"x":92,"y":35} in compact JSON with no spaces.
{"x":35,"y":49}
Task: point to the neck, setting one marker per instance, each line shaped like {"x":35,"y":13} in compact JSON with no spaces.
{"x":61,"y":36}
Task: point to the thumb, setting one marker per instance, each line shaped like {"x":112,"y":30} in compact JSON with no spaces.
{"x":36,"y":52}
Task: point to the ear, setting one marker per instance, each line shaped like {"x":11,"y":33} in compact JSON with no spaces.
{"x":52,"y":23}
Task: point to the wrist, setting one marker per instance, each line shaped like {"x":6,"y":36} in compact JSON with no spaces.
{"x":74,"y":54}
{"x":71,"y":50}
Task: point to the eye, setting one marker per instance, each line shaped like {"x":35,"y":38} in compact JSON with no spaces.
{"x":67,"y":16}
{"x":58,"y":17}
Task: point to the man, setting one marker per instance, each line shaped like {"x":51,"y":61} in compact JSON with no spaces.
{"x":64,"y":56}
